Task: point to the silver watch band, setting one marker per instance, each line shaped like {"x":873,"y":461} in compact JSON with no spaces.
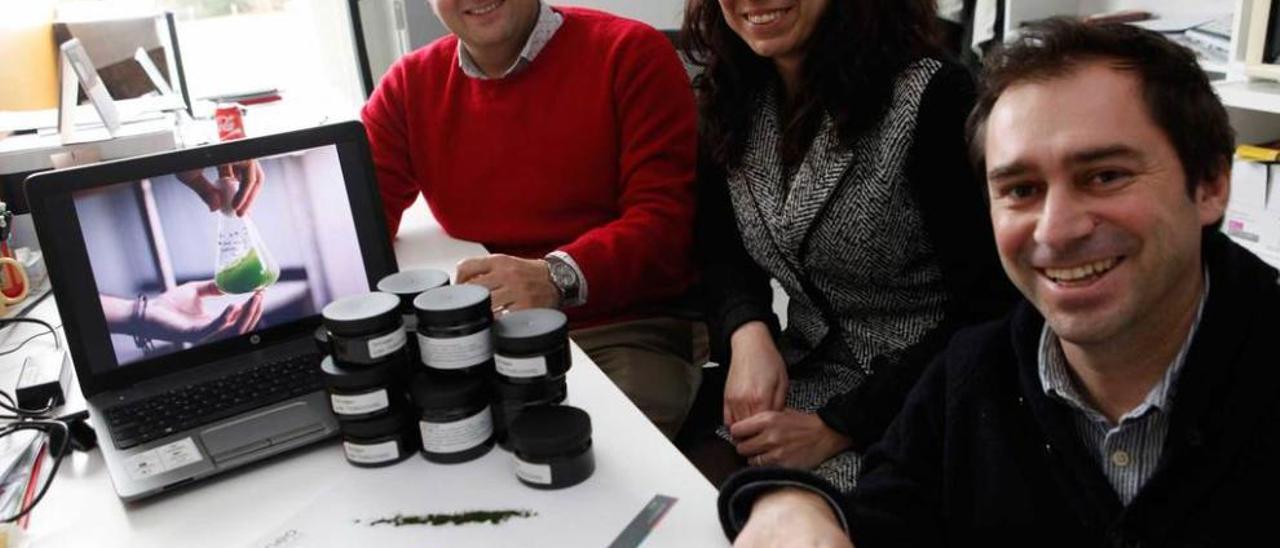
{"x":582,"y":279}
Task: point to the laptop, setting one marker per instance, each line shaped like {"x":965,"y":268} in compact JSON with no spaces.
{"x":189,"y":318}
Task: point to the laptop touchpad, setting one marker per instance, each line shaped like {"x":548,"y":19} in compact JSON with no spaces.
{"x":260,"y":430}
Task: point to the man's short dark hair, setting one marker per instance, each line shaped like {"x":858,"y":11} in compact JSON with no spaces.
{"x":1175,"y":89}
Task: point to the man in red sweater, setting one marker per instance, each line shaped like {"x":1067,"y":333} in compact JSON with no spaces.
{"x":564,"y":140}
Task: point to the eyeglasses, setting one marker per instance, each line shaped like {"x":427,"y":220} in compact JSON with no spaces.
{"x":30,"y":453}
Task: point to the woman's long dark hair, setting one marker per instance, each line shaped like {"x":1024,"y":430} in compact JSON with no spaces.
{"x":851,"y":61}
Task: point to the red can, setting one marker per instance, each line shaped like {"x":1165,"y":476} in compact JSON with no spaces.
{"x":230,"y":122}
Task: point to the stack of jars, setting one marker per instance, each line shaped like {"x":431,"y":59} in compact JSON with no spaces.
{"x":551,"y":443}
{"x":472,"y":381}
{"x":531,"y":361}
{"x":451,"y":388}
{"x":364,"y":368}
{"x":468,"y":393}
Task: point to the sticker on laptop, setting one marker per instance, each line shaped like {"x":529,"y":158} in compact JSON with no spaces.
{"x":170,"y":456}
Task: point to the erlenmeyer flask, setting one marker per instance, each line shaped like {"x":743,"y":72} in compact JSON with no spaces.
{"x":244,"y":263}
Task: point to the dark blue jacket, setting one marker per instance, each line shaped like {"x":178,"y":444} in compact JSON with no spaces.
{"x":981,"y":456}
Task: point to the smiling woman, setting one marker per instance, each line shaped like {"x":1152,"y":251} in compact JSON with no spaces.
{"x":834,"y":163}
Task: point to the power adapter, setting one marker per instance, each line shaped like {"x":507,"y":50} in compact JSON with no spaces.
{"x":44,"y":381}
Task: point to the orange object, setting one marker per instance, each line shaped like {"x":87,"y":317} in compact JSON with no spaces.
{"x":12,"y":283}
{"x":230,"y":122}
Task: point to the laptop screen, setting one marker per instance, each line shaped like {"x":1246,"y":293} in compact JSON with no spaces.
{"x":185,"y":259}
{"x":217,"y":254}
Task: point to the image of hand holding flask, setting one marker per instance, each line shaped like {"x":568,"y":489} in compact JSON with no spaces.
{"x":244,"y":263}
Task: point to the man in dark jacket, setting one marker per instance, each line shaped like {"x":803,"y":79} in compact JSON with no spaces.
{"x":1132,"y":398}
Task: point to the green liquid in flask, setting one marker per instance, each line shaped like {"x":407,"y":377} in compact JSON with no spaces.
{"x":246,"y":275}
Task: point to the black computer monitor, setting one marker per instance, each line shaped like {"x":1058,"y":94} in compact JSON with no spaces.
{"x":134,"y":242}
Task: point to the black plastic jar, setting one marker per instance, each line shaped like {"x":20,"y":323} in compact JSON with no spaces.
{"x":552,"y":447}
{"x":511,"y":399}
{"x":454,"y":329}
{"x":454,"y":417}
{"x":531,"y":345}
{"x":365,"y":329}
{"x":379,"y":442}
{"x":357,"y":393}
{"x":407,"y":286}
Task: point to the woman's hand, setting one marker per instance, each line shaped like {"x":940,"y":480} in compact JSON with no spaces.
{"x":790,"y":439}
{"x":757,"y":380}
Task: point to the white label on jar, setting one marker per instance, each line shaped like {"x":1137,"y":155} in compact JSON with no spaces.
{"x":456,"y":352}
{"x":386,"y":344}
{"x":359,"y":404}
{"x":372,"y":454}
{"x":521,"y":367}
{"x":453,"y":437}
{"x":533,"y":473}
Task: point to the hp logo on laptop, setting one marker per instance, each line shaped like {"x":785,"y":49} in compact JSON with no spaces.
{"x":254,"y":339}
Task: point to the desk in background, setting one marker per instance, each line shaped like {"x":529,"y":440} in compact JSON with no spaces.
{"x":316,"y":494}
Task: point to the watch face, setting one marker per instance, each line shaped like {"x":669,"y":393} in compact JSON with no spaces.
{"x":562,"y":274}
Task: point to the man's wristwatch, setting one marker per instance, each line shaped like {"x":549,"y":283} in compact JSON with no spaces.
{"x":565,"y":277}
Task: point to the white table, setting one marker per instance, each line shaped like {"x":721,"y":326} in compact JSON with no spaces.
{"x":316,"y":494}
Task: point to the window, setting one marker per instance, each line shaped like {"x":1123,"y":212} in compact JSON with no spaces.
{"x":302,"y":48}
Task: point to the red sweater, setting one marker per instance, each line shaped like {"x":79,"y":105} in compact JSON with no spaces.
{"x":590,"y":149}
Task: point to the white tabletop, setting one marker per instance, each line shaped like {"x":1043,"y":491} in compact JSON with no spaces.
{"x":312,"y":497}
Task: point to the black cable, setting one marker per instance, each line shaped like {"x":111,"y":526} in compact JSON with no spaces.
{"x":58,"y":440}
{"x":52,"y":330}
{"x":7,"y":403}
{"x":22,"y":344}
{"x":6,"y":322}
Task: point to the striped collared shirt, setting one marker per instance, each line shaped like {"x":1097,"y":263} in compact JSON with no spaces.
{"x":1127,"y":452}
{"x":548,"y":23}
{"x":543,"y":29}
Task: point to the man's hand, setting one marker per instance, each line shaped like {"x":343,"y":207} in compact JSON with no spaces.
{"x":788,"y":438}
{"x":205,"y":189}
{"x":792,"y":517}
{"x":757,"y":379}
{"x":514,"y":283}
{"x":248,"y":174}
{"x":179,"y":315}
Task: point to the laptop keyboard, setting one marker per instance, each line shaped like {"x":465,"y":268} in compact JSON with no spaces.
{"x":188,"y":407}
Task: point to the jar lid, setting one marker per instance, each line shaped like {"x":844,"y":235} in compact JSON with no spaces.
{"x":385,"y":425}
{"x":364,"y":314}
{"x":452,"y":304}
{"x":547,"y":430}
{"x":408,"y":284}
{"x":530,"y":331}
{"x":360,"y":377}
{"x":448,"y":391}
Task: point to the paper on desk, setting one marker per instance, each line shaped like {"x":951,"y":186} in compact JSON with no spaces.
{"x":589,"y":514}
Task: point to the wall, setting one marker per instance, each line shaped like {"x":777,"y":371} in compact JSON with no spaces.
{"x":29,"y":70}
